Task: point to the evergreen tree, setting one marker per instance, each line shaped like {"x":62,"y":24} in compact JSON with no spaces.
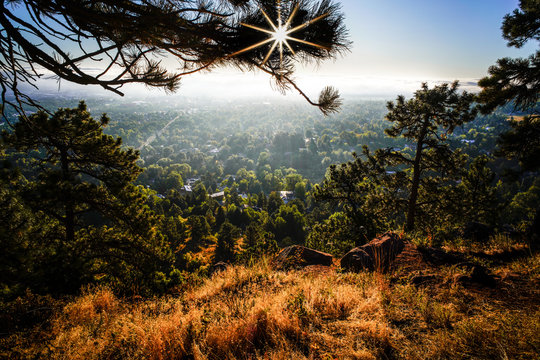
{"x":199,"y":230}
{"x":257,"y":242}
{"x":220,"y":217}
{"x":522,"y":142}
{"x":515,"y":80}
{"x":79,"y":181}
{"x":474,"y":198}
{"x":427,"y":120}
{"x":336,"y":235}
{"x":352,"y":188}
{"x":289,"y":223}
{"x":478,"y":193}
{"x":226,"y":242}
{"x":274,"y":202}
{"x":262,"y":201}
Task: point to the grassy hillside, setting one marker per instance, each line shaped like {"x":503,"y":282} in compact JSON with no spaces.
{"x":255,"y":312}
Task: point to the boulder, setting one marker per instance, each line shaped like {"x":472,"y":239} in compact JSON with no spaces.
{"x":482,"y":276}
{"x":439,"y":257}
{"x":479,"y":275}
{"x":297,"y":256}
{"x":219,"y":267}
{"x":383,"y":250}
{"x":477,"y":232}
{"x":378,"y":254}
{"x":356,"y":260}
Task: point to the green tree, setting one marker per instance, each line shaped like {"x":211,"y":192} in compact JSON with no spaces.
{"x":522,"y":142}
{"x":274,"y":202}
{"x":257,"y":242}
{"x":523,"y":206}
{"x":516,"y":80}
{"x":352,"y":188}
{"x":290,"y":222}
{"x":199,"y":230}
{"x":300,"y":190}
{"x":80,"y":181}
{"x":226,"y":242}
{"x":479,"y":193}
{"x":475,"y":198}
{"x":427,"y":120}
{"x":73,"y":146}
{"x":336,"y":235}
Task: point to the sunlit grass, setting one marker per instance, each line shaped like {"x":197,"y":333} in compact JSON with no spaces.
{"x":254,"y":312}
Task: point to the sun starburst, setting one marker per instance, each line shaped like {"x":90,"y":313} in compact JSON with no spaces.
{"x":279,"y":34}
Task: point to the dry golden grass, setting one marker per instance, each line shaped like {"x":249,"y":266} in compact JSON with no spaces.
{"x":257,"y":313}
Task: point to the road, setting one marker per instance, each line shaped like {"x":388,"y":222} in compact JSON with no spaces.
{"x":158,"y":133}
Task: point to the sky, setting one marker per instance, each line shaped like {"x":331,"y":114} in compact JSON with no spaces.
{"x":397,"y":45}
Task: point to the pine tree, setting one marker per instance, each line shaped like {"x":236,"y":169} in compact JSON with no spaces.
{"x":427,"y":120}
{"x":522,"y":142}
{"x":479,"y":193}
{"x":199,"y":230}
{"x":257,"y":242}
{"x":79,"y":181}
{"x":226,"y":242}
{"x":515,"y":80}
{"x":128,"y":39}
{"x":352,"y":188}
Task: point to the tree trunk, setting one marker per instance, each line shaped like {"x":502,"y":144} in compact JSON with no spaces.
{"x":69,"y":219}
{"x":411,"y":206}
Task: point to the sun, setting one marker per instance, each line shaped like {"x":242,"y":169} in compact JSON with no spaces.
{"x":279,"y":34}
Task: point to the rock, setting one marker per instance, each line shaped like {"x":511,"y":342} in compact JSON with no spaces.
{"x":297,"y":256}
{"x":383,"y":250}
{"x":219,"y":266}
{"x":356,"y":260}
{"x":476,"y":231}
{"x":481,"y":275}
{"x":378,"y":254}
{"x":409,"y":260}
{"x":438,"y":257}
{"x":478,"y":275}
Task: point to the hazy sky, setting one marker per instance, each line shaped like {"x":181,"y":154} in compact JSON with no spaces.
{"x":397,"y":44}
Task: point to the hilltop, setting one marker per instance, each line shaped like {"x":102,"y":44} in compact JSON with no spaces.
{"x":256,"y":312}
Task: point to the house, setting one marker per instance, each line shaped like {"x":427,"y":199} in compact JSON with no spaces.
{"x":192,"y":181}
{"x":286,"y":196}
{"x":218,"y":195}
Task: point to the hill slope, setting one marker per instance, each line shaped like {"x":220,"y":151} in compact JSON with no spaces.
{"x":317,"y":313}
